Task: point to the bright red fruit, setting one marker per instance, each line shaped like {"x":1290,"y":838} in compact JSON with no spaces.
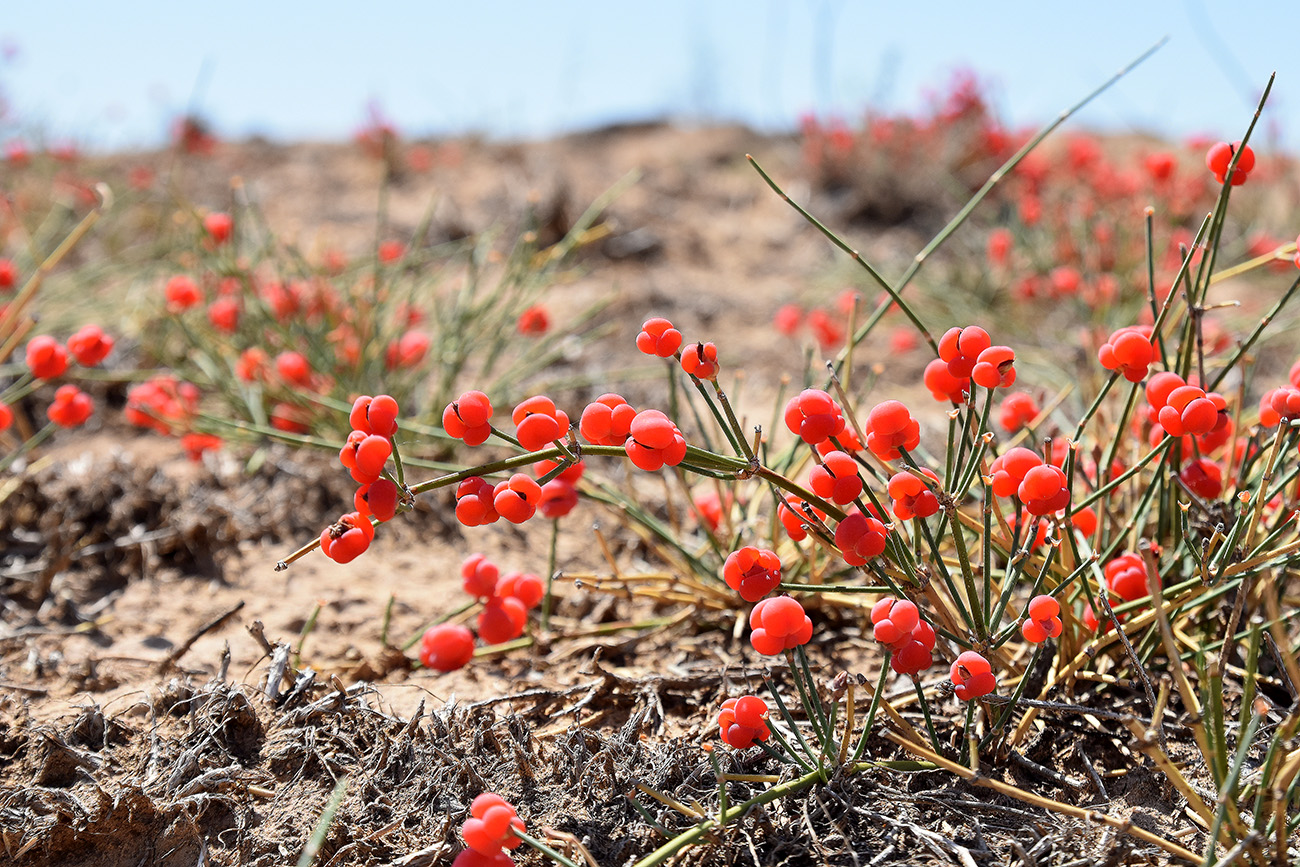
{"x":474,"y":502}
{"x":46,"y":357}
{"x":701,"y":360}
{"x":503,"y":618}
{"x":224,"y":315}
{"x":1009,"y":469}
{"x":182,"y":293}
{"x":1129,"y":351}
{"x":491,"y":826}
{"x":959,"y":348}
{"x":347,"y":538}
{"x":607,"y":421}
{"x":1018,"y":409}
{"x":1203,"y":478}
{"x":90,"y":345}
{"x":195,"y":444}
{"x":836,"y":478}
{"x":752,"y":572}
{"x":6,"y":417}
{"x":408,"y":350}
{"x":859,"y":538}
{"x":1044,"y":620}
{"x":516,"y":498}
{"x":1043,"y":490}
{"x":654,"y":441}
{"x":218,"y":225}
{"x":972,"y":675}
{"x":912,"y":497}
{"x":742,"y":721}
{"x":814,"y":416}
{"x":995,"y":367}
{"x":890,"y":429}
{"x":479,"y":576}
{"x":658,"y":337}
{"x":534,"y":321}
{"x":1219,"y":157}
{"x":446,"y":647}
{"x":943,"y":385}
{"x":71,"y":407}
{"x":778,"y":624}
{"x":1126,"y":576}
{"x":379,"y":498}
{"x":794,"y":514}
{"x":468,"y":418}
{"x":524,"y":586}
{"x":8,"y":274}
{"x":558,"y":499}
{"x":293,"y":368}
{"x":538,"y":423}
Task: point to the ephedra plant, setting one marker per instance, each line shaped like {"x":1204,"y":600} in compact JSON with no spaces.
{"x":1007,"y":578}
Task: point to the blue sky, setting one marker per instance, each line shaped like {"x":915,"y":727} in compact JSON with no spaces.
{"x":109,"y":78}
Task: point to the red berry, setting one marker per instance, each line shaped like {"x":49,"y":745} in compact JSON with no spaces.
{"x":372,"y":454}
{"x":912,"y":497}
{"x":293,"y":368}
{"x":516,"y":498}
{"x":972,"y":675}
{"x":778,"y":624}
{"x":1203,"y":478}
{"x":814,"y":416}
{"x":1018,"y":409}
{"x":860,"y":538}
{"x":468,"y":418}
{"x":46,"y":357}
{"x":524,"y":586}
{"x":502,"y":619}
{"x":474,"y":502}
{"x":558,"y":499}
{"x":658,"y":337}
{"x":182,"y":293}
{"x":959,"y":348}
{"x":379,"y":498}
{"x":348,"y":538}
{"x":538,"y":423}
{"x":654,"y":441}
{"x":71,"y":407}
{"x":534,"y":321}
{"x":607,"y":421}
{"x":1129,"y":351}
{"x":836,"y":478}
{"x":90,"y":345}
{"x":446,"y":647}
{"x":224,"y":315}
{"x":479,"y":576}
{"x":994,"y":368}
{"x":890,"y":429}
{"x":943,"y":385}
{"x":218,"y":226}
{"x":794,"y":514}
{"x":381,"y":414}
{"x":701,"y":360}
{"x":752,"y":572}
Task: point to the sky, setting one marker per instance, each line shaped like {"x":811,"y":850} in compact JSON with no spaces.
{"x":112,"y":76}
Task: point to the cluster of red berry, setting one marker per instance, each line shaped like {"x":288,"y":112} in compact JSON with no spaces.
{"x":743,"y":721}
{"x":506,"y":599}
{"x":490,"y":832}
{"x":898,"y":625}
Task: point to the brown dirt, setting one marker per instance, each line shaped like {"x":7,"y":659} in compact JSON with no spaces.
{"x":134,"y":731}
